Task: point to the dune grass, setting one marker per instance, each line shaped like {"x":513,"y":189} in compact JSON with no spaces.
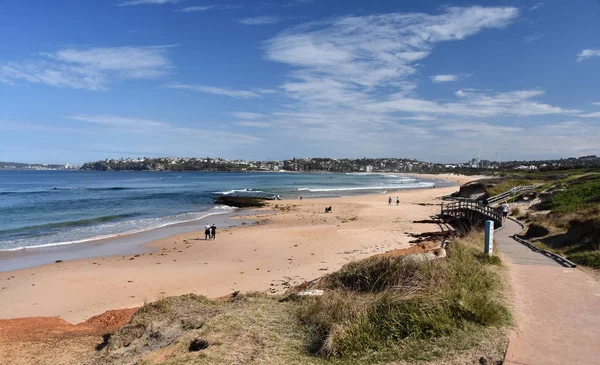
{"x":577,"y":195}
{"x":378,"y":307}
{"x":376,"y":311}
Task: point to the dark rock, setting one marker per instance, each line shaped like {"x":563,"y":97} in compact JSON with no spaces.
{"x":241,"y":201}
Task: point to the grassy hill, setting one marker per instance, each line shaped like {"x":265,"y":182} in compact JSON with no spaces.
{"x":567,"y":219}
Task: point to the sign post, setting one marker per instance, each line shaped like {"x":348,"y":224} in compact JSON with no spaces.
{"x":489,"y":238}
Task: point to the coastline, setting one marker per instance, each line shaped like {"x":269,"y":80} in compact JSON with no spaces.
{"x":295,"y":243}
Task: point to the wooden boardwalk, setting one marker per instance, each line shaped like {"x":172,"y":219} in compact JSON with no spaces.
{"x":473,"y":211}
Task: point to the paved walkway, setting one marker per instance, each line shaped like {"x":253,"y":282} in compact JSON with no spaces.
{"x":557,"y":308}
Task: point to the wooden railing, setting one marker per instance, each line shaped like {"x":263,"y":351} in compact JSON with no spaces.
{"x":517,"y":190}
{"x":473,"y":211}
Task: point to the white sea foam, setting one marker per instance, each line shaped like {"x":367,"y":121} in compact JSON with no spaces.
{"x":237,"y":191}
{"x":121,"y":228}
{"x":380,"y":187}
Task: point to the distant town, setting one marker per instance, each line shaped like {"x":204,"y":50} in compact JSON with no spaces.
{"x":365,"y":165}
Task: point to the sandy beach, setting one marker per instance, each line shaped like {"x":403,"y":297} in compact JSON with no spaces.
{"x":285,"y":244}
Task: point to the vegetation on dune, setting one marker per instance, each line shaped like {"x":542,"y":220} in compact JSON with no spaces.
{"x":385,"y":305}
{"x":373,"y":311}
{"x":574,"y":195}
{"x":567,"y":220}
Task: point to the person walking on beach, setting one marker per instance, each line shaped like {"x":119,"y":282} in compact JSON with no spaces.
{"x":397,"y":200}
{"x":207,"y":232}
{"x":213,"y":231}
{"x":390,"y":201}
{"x":505,"y":209}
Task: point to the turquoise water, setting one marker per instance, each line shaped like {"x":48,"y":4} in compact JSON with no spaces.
{"x":51,"y":208}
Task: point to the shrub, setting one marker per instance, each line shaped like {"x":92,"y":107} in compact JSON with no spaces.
{"x":380,"y":301}
{"x":589,"y":258}
{"x":515,"y":211}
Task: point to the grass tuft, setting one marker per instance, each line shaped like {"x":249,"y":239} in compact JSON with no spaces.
{"x":379,"y":302}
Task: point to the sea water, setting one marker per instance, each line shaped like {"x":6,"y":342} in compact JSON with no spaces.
{"x":53,"y":208}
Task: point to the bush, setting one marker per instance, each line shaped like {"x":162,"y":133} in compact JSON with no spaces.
{"x":515,"y":211}
{"x":589,"y":258}
{"x":576,"y":196}
{"x":380,"y":301}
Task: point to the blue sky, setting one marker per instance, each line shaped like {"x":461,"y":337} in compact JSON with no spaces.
{"x":86,"y":80}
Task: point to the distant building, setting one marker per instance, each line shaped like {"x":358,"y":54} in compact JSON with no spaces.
{"x":369,"y":169}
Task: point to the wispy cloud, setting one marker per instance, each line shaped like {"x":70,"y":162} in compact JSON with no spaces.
{"x":590,"y":115}
{"x":241,"y":94}
{"x":248,"y":115}
{"x":147,"y":2}
{"x":252,"y":124}
{"x":193,"y":9}
{"x":532,"y":37}
{"x":588,"y":53}
{"x":537,"y":6}
{"x":444,"y":78}
{"x":266,"y":91}
{"x":297,"y":3}
{"x":596,"y":103}
{"x":117,"y":121}
{"x":139,"y":125}
{"x":355,"y":76}
{"x":261,"y":20}
{"x":92,"y":68}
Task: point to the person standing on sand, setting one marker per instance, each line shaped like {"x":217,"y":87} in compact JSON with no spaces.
{"x":207,"y":232}
{"x":505,"y":209}
{"x":390,"y":201}
{"x":213,"y":231}
{"x":397,"y":200}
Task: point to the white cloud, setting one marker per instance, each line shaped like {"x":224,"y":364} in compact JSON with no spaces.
{"x":130,"y":125}
{"x":588,"y":53}
{"x":444,"y":78}
{"x":245,"y":123}
{"x":92,"y":68}
{"x":378,"y":50}
{"x":146,"y":2}
{"x":596,"y":103}
{"x":193,"y":9}
{"x":116,"y":121}
{"x":261,"y":20}
{"x":247,"y":115}
{"x":241,"y":94}
{"x":537,"y":6}
{"x":266,"y":91}
{"x":353,"y":88}
{"x":590,"y":115}
{"x":532,"y":37}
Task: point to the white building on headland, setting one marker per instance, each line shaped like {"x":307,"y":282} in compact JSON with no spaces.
{"x":369,"y":169}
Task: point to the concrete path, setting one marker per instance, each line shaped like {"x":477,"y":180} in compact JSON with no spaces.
{"x":557,"y":309}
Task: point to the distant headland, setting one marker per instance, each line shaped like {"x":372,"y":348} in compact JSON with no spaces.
{"x":316,"y":164}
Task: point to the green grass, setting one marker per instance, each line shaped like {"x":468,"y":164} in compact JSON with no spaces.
{"x":507,"y":184}
{"x":587,"y":258}
{"x":380,"y":306}
{"x":576,"y":195}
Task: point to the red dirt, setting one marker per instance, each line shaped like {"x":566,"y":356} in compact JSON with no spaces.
{"x":34,"y":329}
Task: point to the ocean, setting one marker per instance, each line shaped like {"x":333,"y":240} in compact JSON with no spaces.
{"x":54,"y":208}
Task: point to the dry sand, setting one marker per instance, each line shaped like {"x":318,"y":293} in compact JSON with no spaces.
{"x":293,"y":242}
